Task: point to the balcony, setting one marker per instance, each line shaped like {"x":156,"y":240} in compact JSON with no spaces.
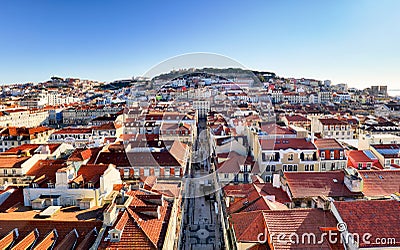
{"x":308,"y":157}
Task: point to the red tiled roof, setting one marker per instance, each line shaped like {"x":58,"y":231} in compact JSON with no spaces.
{"x":232,"y":164}
{"x":286,"y":143}
{"x":299,"y":222}
{"x":167,"y":189}
{"x":83,"y":154}
{"x":22,"y":131}
{"x":8,"y":239}
{"x":91,"y":173}
{"x":378,"y":183}
{"x":73,"y":131}
{"x":178,"y":150}
{"x":44,"y":171}
{"x":314,"y":184}
{"x":332,"y":121}
{"x":274,"y":129}
{"x":379,"y":218}
{"x":358,"y":156}
{"x":141,"y":231}
{"x":12,"y":161}
{"x":22,"y":148}
{"x":251,"y":197}
{"x":119,"y":159}
{"x":88,"y":241}
{"x":149,"y":181}
{"x":45,"y":226}
{"x":164,"y":158}
{"x":27,"y":241}
{"x":48,"y":241}
{"x":15,"y":198}
{"x":69,"y":241}
{"x":296,"y":118}
{"x":248,"y":225}
{"x":267,"y":189}
{"x":328,"y":144}
{"x":106,"y":126}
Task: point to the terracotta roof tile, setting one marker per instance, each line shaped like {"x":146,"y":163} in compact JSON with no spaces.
{"x":88,"y":241}
{"x":8,"y":239}
{"x":379,"y":183}
{"x":44,"y":171}
{"x":48,"y":241}
{"x":15,"y":198}
{"x":380,"y":218}
{"x":45,"y":226}
{"x":300,"y":222}
{"x":286,"y":143}
{"x":12,"y":161}
{"x":328,"y":143}
{"x":141,"y":231}
{"x":248,"y":225}
{"x":314,"y":184}
{"x":69,"y":241}
{"x":91,"y":173}
{"x":27,"y":241}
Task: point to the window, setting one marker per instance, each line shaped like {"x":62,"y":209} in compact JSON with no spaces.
{"x":341,"y":155}
{"x":323,"y":166}
{"x":226,"y":176}
{"x":90,"y":185}
{"x":306,"y":167}
{"x":50,"y":185}
{"x":369,"y":165}
{"x":311,"y":167}
{"x":115,"y":236}
{"x":14,"y":171}
{"x":284,"y":167}
{"x":332,"y":155}
{"x":290,"y":157}
{"x":263,"y":157}
{"x":290,"y":167}
{"x":273,"y":168}
{"x":360,"y":165}
{"x":322,"y":155}
{"x":5,"y":171}
{"x":268,"y":168}
{"x":294,"y":167}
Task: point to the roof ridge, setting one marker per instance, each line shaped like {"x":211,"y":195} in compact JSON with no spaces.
{"x":136,"y":218}
{"x":256,"y":217}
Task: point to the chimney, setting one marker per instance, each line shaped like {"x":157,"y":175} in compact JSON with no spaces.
{"x":353,"y":180}
{"x":276,"y":180}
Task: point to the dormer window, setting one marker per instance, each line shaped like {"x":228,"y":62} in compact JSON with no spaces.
{"x":290,"y":157}
{"x":90,"y":185}
{"x":114,"y":235}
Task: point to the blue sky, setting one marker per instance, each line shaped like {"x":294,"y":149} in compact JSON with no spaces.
{"x":356,"y":42}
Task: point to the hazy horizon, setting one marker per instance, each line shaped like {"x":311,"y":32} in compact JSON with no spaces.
{"x":353,"y":42}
